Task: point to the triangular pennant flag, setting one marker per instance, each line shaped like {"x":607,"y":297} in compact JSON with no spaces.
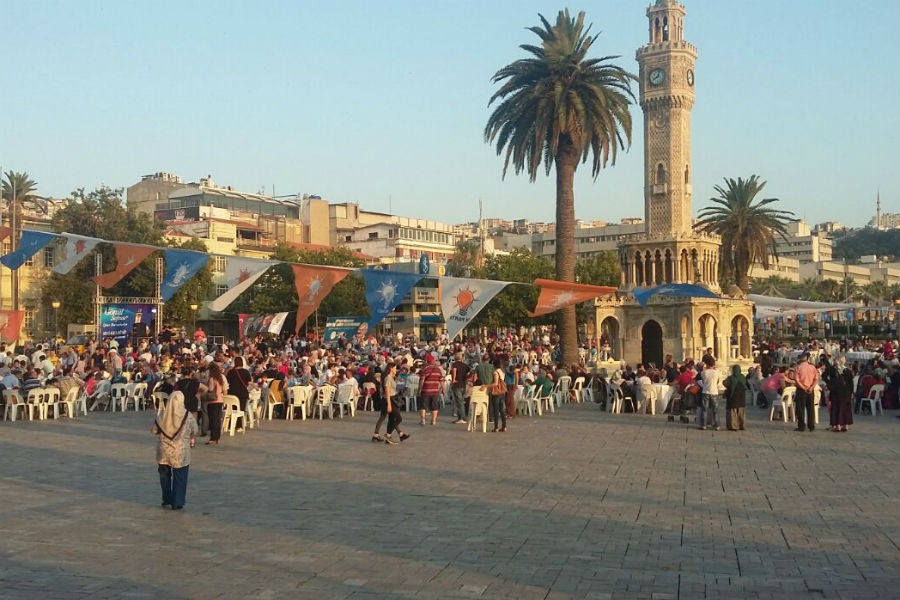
{"x":11,"y":323}
{"x":76,"y":248}
{"x":560,"y":294}
{"x":240,"y":274}
{"x":29,"y":245}
{"x":313,"y":283}
{"x":128,"y":256}
{"x":181,"y":265}
{"x":385,"y":290}
{"x":5,"y":232}
{"x":681,"y":290}
{"x":463,"y":298}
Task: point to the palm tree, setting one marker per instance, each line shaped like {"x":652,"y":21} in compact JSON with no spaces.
{"x":748,"y":230}
{"x":810,"y":287}
{"x":558,"y":107}
{"x":830,"y":289}
{"x":15,"y":189}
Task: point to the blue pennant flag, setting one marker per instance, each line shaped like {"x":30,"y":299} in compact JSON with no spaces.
{"x":682,"y":290}
{"x":385,"y":290}
{"x":29,"y":244}
{"x":181,"y":265}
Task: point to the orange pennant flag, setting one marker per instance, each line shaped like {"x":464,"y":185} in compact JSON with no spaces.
{"x":559,"y":294}
{"x":128,"y":256}
{"x":11,"y":323}
{"x":5,"y":232}
{"x":313,"y":283}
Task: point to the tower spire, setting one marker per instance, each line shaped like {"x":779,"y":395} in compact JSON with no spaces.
{"x":878,"y":209}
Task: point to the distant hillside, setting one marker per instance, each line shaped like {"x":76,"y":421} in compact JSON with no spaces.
{"x":866,"y":241}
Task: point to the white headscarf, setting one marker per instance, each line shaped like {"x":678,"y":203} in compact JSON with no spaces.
{"x":173,"y":418}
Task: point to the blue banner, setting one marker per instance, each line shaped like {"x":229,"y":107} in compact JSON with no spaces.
{"x":118,"y":320}
{"x":682,"y":290}
{"x":385,"y":290}
{"x":181,"y":265}
{"x":29,"y":244}
{"x":347,"y":328}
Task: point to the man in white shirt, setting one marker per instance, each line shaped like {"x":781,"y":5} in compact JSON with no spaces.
{"x":711,"y":388}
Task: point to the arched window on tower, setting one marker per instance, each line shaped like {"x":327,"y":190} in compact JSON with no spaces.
{"x":687,"y":173}
{"x":665,"y":31}
{"x":657,"y":32}
{"x":660,"y":174}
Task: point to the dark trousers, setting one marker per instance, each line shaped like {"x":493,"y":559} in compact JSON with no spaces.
{"x":214,"y":410}
{"x":174,"y":484}
{"x":498,"y":411}
{"x":394,"y":419}
{"x":381,"y":418}
{"x":803,"y":405}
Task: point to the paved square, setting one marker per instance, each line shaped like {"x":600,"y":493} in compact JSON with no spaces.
{"x":580,"y":504}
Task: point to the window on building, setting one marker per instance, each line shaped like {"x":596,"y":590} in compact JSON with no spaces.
{"x":221,"y":288}
{"x":28,"y":320}
{"x":48,"y":256}
{"x":373,"y":235}
{"x":348,"y":238}
{"x":220,"y":264}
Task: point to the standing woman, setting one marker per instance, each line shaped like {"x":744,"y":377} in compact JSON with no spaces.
{"x":840,"y":393}
{"x":189,"y":385}
{"x":215,"y":402}
{"x":736,"y":386}
{"x":238,"y":379}
{"x":498,"y":397}
{"x":176,"y":428}
{"x":392,"y":404}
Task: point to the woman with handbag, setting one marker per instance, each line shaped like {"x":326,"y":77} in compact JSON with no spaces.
{"x":392,"y":404}
{"x":214,"y":402}
{"x":497,"y":391}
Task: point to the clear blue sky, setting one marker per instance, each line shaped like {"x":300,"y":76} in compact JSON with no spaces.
{"x":363,"y":101}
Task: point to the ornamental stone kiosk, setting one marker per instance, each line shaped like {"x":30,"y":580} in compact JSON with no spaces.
{"x":670,"y":251}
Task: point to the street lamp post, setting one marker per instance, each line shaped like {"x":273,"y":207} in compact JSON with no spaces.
{"x":194,"y":308}
{"x":55,"y":304}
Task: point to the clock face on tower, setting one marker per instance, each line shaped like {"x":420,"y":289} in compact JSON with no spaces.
{"x":690,"y":77}
{"x":657,"y":76}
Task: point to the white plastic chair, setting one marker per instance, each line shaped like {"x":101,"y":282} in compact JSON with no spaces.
{"x":873,"y":399}
{"x":648,"y":398}
{"x":345,"y":398}
{"x":578,"y":390}
{"x":52,"y":397}
{"x":587,"y":392}
{"x":232,"y":413}
{"x":254,"y":407}
{"x":298,"y":397}
{"x":478,"y":407}
{"x":14,"y":404}
{"x":138,"y":395}
{"x":785,"y":404}
{"x":275,"y":396}
{"x":101,"y":396}
{"x":73,"y":396}
{"x":546,"y":402}
{"x":35,"y":400}
{"x":160,"y":399}
{"x":368,"y":396}
{"x":119,"y":394}
{"x":324,"y":396}
{"x":410,"y":393}
{"x":561,"y":391}
{"x":526,"y":401}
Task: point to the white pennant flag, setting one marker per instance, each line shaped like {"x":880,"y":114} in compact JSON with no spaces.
{"x":76,"y":248}
{"x":463,"y":298}
{"x":240,"y":274}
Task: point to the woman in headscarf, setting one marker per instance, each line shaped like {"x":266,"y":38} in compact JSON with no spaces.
{"x":736,"y":387}
{"x":840,"y":392}
{"x":177,"y":429}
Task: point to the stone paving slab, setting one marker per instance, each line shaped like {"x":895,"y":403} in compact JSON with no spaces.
{"x":574,"y":505}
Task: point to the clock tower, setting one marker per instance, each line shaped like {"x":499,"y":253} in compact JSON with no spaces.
{"x":669,"y":254}
{"x":667,"y":96}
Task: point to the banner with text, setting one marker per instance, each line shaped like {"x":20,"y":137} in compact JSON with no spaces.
{"x":118,"y":320}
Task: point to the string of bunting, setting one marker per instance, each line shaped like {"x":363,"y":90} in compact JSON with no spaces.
{"x":461,"y":298}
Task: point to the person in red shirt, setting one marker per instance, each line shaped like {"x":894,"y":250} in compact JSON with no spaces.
{"x":430,"y":380}
{"x":806,"y":378}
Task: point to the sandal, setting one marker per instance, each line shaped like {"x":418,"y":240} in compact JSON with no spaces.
{"x":376,"y":438}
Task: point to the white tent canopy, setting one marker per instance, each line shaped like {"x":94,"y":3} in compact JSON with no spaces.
{"x":773,"y":306}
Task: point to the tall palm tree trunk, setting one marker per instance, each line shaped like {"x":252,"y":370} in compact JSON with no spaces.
{"x":566,"y":163}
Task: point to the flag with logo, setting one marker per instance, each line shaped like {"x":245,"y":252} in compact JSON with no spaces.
{"x":128,"y":256}
{"x":463,"y":298}
{"x":181,"y":265}
{"x":681,"y":290}
{"x":11,"y":323}
{"x":560,"y":294}
{"x":76,"y":248}
{"x":30,"y":244}
{"x":240,"y":274}
{"x":385,"y":290}
{"x":313,"y":282}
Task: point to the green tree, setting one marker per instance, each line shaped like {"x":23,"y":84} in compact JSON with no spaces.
{"x":557,"y":108}
{"x":830,"y":290}
{"x":467,"y":257}
{"x":509,"y":308}
{"x":599,"y":269}
{"x":773,"y":285}
{"x":747,"y":229}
